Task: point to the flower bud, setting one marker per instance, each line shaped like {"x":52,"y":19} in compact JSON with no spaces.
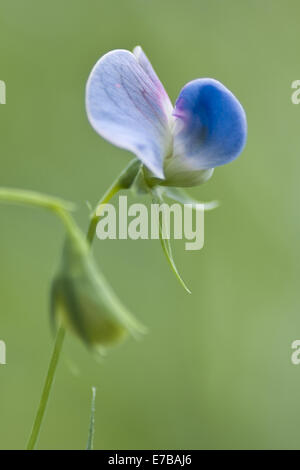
{"x":84,"y":302}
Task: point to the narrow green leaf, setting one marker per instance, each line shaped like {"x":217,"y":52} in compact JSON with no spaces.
{"x":90,"y":441}
{"x":180,"y":195}
{"x":166,"y":245}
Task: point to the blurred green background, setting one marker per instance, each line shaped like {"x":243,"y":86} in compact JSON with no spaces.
{"x":215,"y":369}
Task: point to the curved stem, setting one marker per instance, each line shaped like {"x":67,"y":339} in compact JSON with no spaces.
{"x":57,"y":206}
{"x":123,"y":181}
{"x":73,"y":232}
{"x":46,"y":390}
{"x":61,"y":209}
{"x":33,"y":198}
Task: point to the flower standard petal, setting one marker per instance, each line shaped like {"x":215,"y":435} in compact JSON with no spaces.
{"x":210,"y":128}
{"x":126,"y":107}
{"x":147,"y":66}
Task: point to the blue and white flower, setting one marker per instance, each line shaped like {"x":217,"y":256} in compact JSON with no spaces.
{"x":179,"y":146}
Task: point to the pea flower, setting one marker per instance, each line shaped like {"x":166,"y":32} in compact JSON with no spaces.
{"x":179,"y":146}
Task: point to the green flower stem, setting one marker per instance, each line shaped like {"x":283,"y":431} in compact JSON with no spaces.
{"x":73,"y":231}
{"x":47,"y":387}
{"x":32,"y":198}
{"x":95,"y":216}
{"x":123,"y":181}
{"x":57,"y":206}
{"x":62,"y":209}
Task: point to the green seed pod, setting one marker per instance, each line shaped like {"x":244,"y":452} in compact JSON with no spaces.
{"x":83,"y":301}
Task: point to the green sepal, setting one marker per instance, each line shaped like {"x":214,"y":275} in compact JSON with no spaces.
{"x":124,"y":181}
{"x":128,"y":175}
{"x":140,"y":185}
